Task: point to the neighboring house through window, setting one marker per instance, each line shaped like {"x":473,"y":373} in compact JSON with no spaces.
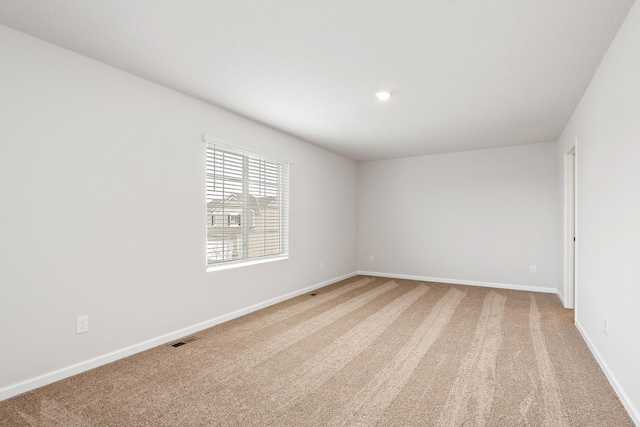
{"x":247,"y":206}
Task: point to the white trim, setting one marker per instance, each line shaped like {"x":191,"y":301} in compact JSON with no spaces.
{"x":634,"y":413}
{"x":252,"y":261}
{"x":77,"y":368}
{"x":233,"y":146}
{"x":548,"y":290}
{"x":576,"y":183}
{"x":570,"y":206}
{"x":561,"y":298}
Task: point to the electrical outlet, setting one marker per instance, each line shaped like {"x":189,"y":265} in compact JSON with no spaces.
{"x":82,"y":324}
{"x":606,"y":327}
{"x":370,"y":258}
{"x":322,"y":265}
{"x":533,"y":269}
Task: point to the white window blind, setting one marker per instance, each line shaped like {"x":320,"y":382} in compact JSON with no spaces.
{"x":247,"y":206}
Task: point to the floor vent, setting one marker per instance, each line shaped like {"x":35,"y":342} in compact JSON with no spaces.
{"x":184,"y":341}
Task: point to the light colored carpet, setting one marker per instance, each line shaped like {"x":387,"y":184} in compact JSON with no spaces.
{"x":361,"y":352}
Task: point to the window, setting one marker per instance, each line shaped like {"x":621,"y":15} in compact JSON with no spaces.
{"x":234,"y":220}
{"x":247,"y":206}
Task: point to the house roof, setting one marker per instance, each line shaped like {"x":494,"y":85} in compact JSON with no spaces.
{"x":257,"y":205}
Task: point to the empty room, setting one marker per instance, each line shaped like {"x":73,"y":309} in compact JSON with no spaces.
{"x":319,"y":213}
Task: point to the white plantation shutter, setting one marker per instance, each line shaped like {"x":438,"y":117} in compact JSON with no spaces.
{"x":247,"y":206}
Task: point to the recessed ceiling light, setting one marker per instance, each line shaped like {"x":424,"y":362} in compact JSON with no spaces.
{"x":383,"y":95}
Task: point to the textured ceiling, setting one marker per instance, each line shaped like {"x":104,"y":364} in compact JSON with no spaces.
{"x":464,"y":74}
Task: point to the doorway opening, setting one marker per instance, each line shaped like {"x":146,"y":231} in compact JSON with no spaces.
{"x":570,"y":226}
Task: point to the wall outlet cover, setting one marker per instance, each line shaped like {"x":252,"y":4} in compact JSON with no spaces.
{"x":82,"y":324}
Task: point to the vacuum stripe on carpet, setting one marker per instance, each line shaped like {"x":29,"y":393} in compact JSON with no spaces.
{"x":471,"y":396}
{"x":553,"y":415}
{"x":257,"y":354}
{"x":370,"y":402}
{"x":332,"y":358}
{"x":287,"y":312}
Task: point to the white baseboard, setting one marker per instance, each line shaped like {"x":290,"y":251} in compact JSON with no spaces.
{"x":561,"y":298}
{"x":68,"y":371}
{"x":548,"y":290}
{"x":622,"y":395}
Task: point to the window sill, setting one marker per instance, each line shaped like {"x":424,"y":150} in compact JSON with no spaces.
{"x":236,"y":264}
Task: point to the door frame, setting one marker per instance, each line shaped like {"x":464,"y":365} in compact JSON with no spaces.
{"x":570,"y":225}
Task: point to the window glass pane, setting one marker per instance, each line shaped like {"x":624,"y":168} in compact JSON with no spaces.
{"x":247,"y":206}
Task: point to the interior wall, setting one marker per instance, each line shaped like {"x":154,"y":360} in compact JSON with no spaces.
{"x":102,"y":183}
{"x":477,"y":217}
{"x":606,"y":124}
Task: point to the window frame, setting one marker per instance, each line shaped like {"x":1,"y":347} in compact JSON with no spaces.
{"x":282,"y":232}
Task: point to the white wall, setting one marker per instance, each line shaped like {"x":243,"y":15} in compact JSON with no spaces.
{"x":103,"y":213}
{"x":607,"y":126}
{"x":470,"y":217}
